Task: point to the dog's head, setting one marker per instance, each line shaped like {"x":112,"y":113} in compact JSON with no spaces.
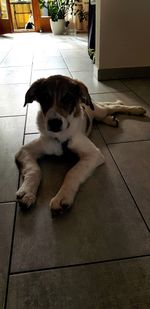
{"x":59,"y":97}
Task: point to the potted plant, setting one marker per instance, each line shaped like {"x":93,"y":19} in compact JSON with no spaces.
{"x":58,"y":10}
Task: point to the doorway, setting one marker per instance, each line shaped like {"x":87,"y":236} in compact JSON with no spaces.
{"x":5,"y":17}
{"x":15,"y":14}
{"x":22,"y":15}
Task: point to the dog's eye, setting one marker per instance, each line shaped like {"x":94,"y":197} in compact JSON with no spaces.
{"x":68,"y":102}
{"x":46,"y":102}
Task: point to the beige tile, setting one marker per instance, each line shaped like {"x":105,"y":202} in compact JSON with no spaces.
{"x":31,"y":126}
{"x":36,"y":74}
{"x":12,"y":99}
{"x":15,"y":75}
{"x":95,"y":86}
{"x":49,"y":62}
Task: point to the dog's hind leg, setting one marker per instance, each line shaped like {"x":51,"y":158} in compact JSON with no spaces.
{"x":103,"y":112}
{"x":111,"y":109}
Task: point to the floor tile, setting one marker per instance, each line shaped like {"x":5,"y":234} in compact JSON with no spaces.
{"x":15,"y":75}
{"x":31,"y":126}
{"x":115,"y":285}
{"x":12,"y":99}
{"x":49,"y":62}
{"x":95,"y":86}
{"x":131,"y":128}
{"x":133,"y":160}
{"x":17,"y":58}
{"x":79,"y":63}
{"x":107,"y":219}
{"x":36,"y":74}
{"x":140,"y":87}
{"x":76,"y":52}
{"x":6,"y":227}
{"x":2,"y":55}
{"x":11,"y":137}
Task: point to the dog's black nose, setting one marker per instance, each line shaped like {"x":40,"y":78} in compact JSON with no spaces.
{"x":54,"y":125}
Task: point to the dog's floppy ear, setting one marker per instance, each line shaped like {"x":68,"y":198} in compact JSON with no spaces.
{"x":34,"y":91}
{"x":84,"y":95}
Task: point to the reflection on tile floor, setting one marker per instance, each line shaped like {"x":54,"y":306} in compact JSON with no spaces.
{"x":97,"y":255}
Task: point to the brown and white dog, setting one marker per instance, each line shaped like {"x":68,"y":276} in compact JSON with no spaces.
{"x":66,"y":116}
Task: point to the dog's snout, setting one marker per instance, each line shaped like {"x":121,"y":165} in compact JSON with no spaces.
{"x":54,"y":125}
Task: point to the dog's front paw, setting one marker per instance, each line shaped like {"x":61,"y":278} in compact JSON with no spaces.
{"x":25,"y":199}
{"x":60,"y":203}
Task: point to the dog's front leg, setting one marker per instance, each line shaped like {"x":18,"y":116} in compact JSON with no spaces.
{"x":89,"y":158}
{"x":26,"y":159}
{"x":30,"y":170}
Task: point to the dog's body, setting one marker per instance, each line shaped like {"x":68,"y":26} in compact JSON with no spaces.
{"x":66,"y":116}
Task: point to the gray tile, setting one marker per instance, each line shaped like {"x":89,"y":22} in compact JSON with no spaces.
{"x":12,"y":99}
{"x":131,"y":128}
{"x":95,"y":86}
{"x":6,"y":226}
{"x":36,"y":74}
{"x":103,"y":224}
{"x":115,"y":285}
{"x":140,"y":86}
{"x":11,"y":138}
{"x":133,"y":160}
{"x":15,"y":75}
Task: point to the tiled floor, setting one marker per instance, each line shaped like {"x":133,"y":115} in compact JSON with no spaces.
{"x":98,"y":255}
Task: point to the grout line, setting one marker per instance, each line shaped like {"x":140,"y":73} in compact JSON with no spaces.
{"x":14,"y":223}
{"x":32,"y":133}
{"x":134,"y":92}
{"x":107,"y":145}
{"x":10,"y":258}
{"x":128,"y":142}
{"x":8,"y":52}
{"x":7,"y":202}
{"x":11,"y":116}
{"x":79,"y":265}
{"x":65,"y":63}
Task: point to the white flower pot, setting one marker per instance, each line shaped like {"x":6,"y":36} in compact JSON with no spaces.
{"x":58,"y":27}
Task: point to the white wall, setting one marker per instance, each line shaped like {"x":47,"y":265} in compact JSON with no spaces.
{"x":123,"y":33}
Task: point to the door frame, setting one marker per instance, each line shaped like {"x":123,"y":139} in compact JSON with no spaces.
{"x":6,"y":25}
